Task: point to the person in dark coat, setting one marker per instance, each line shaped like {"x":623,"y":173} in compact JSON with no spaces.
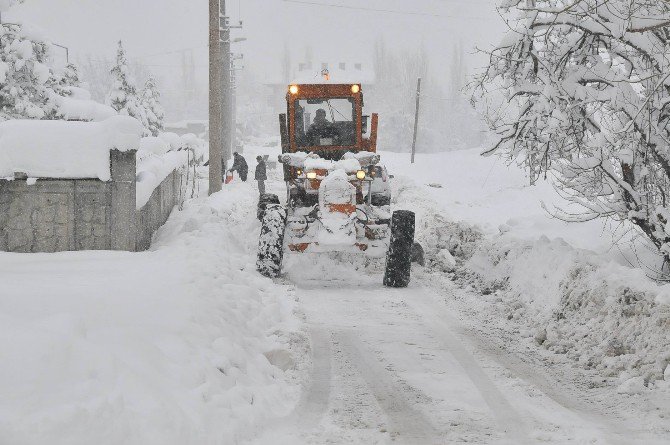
{"x":240,"y":166}
{"x":261,"y":174}
{"x":320,"y":128}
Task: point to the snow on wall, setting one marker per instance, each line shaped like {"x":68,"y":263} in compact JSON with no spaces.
{"x":65,"y":150}
{"x":153,"y":169}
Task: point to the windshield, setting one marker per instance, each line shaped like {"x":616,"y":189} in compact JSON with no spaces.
{"x":325,"y":122}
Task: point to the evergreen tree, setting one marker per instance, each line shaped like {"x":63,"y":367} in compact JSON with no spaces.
{"x":26,"y":79}
{"x":70,"y":76}
{"x":152,"y":108}
{"x":123,"y":96}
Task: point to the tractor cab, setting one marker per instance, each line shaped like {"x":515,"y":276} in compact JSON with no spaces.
{"x":327,"y":120}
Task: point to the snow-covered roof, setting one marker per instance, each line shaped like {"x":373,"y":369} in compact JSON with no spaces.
{"x":74,"y":109}
{"x":61,"y":149}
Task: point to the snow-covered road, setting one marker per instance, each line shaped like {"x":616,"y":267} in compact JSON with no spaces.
{"x":394,"y":366}
{"x":401,"y":366}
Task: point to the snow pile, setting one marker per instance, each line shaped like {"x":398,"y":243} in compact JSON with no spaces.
{"x":600,"y":314}
{"x":171,"y":346}
{"x":60,"y":149}
{"x":588,"y":305}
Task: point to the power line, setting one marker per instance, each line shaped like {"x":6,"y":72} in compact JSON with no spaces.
{"x":388,"y":11}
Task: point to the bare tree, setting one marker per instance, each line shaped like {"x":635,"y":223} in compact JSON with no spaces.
{"x":587,"y":86}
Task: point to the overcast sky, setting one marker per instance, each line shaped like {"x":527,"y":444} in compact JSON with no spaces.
{"x":150,"y":27}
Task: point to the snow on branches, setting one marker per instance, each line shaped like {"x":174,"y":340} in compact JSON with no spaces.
{"x":154,"y":112}
{"x":26,"y":79}
{"x":123,"y":96}
{"x":587,"y":87}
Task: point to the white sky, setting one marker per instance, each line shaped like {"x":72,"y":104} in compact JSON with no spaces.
{"x":148,"y":27}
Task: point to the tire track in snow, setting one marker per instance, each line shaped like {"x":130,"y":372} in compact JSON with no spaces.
{"x":313,"y":402}
{"x":303,"y":422}
{"x":506,"y":416}
{"x":406,"y":424}
{"x":616,"y":433}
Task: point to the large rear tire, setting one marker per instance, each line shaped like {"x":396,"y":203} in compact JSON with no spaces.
{"x":271,"y":241}
{"x":399,"y":256}
{"x":265,"y":200}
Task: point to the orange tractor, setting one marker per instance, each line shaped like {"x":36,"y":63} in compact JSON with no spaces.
{"x":330,"y":160}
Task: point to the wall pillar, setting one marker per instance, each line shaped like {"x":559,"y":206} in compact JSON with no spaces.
{"x":123,"y":200}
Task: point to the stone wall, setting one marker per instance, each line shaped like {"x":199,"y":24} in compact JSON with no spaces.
{"x":84,"y":214}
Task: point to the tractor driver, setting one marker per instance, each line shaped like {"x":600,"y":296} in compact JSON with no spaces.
{"x":320,"y":128}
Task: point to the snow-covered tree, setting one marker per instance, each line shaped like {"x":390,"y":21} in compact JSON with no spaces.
{"x":70,"y":76}
{"x":153,"y":110}
{"x":123,"y":97}
{"x":26,"y":79}
{"x":587,"y":86}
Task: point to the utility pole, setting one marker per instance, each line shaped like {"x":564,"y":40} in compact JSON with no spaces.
{"x":416,"y":118}
{"x":227,"y":130}
{"x":215,"y":98}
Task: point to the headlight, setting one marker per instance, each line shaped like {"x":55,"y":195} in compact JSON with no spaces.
{"x":360,"y":174}
{"x":298,"y":172}
{"x":293,"y":89}
{"x":311,"y":175}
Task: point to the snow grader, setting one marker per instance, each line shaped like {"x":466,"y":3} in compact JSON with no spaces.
{"x":330,"y":161}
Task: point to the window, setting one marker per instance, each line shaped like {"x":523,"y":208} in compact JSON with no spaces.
{"x":325,"y":122}
{"x":343,"y":66}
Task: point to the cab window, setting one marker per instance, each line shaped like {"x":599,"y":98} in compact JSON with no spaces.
{"x":325,"y":122}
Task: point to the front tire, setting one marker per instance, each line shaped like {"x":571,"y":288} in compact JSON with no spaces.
{"x":399,"y":256}
{"x":271,"y":241}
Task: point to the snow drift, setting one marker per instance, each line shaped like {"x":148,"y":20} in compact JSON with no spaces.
{"x":163,"y":347}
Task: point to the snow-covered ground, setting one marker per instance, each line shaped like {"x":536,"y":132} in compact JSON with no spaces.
{"x":171,"y":346}
{"x":186,"y":344}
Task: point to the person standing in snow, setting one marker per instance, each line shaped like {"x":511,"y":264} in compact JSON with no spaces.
{"x":261,"y":174}
{"x":240,"y":166}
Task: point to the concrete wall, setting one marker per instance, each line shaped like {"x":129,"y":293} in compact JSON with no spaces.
{"x":154,"y":214}
{"x":84,"y":214}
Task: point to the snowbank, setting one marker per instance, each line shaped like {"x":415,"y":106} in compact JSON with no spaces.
{"x":561,"y":287}
{"x":60,"y":149}
{"x":602,"y":315}
{"x":171,"y":346}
